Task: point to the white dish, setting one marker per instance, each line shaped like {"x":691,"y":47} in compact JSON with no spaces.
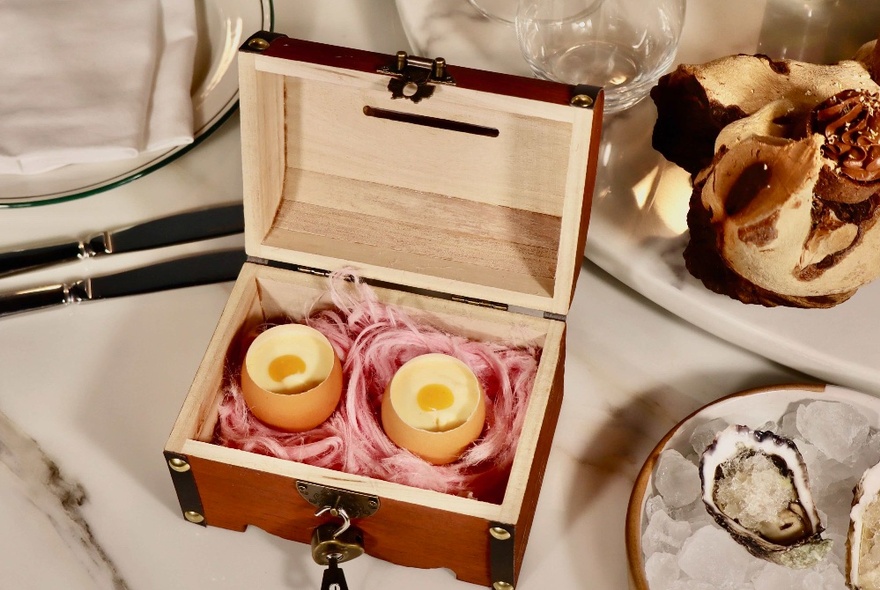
{"x":640,"y":203}
{"x":223,"y":27}
{"x":637,"y":234}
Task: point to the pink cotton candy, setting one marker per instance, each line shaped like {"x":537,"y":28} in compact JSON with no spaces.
{"x":373,"y":340}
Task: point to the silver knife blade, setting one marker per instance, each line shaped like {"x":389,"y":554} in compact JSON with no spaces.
{"x":166,"y":231}
{"x":199,"y":269}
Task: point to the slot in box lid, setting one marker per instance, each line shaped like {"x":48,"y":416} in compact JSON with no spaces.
{"x":472,"y":184}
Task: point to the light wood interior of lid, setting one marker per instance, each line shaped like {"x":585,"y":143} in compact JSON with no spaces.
{"x":412,"y":198}
{"x":424,"y":233}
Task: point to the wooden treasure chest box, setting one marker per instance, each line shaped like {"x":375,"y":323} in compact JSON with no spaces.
{"x":461,"y":198}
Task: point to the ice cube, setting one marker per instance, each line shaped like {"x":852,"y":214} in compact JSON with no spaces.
{"x":811,"y":455}
{"x":769,"y":426}
{"x":837,"y":429}
{"x":836,"y":502}
{"x":812,"y":579}
{"x":872,"y":446}
{"x":661,"y":570}
{"x":711,"y":555}
{"x":694,"y":513}
{"x":664,"y":535}
{"x":868,"y":454}
{"x":836,"y":559}
{"x":676,"y":479}
{"x":688,"y":584}
{"x":774,"y":577}
{"x":703,"y":435}
{"x":653,"y":504}
{"x":832,"y":577}
{"x":788,"y":426}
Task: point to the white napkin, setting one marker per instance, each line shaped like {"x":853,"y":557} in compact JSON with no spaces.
{"x":94,"y":80}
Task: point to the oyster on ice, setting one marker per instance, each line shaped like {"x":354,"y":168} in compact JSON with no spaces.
{"x":863,"y":541}
{"x":755,"y":486}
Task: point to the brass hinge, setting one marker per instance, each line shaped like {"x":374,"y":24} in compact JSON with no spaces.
{"x":318,"y":272}
{"x":414,"y":77}
{"x":310,"y":270}
{"x":479,"y":302}
{"x":549,"y":315}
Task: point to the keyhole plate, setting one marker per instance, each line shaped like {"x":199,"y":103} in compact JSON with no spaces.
{"x":345,"y":547}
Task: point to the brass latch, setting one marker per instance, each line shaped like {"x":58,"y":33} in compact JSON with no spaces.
{"x":355,"y":504}
{"x":414,"y":77}
{"x":334,"y":543}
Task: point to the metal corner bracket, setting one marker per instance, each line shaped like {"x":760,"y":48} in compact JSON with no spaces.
{"x":260,"y":41}
{"x":502,"y":569}
{"x":185,"y":485}
{"x":584,"y":96}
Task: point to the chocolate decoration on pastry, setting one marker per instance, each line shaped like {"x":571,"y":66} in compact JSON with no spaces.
{"x":759,"y":232}
{"x":785,"y":162}
{"x":850,"y":123}
{"x":695,"y":102}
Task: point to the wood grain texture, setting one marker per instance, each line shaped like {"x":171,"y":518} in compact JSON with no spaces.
{"x":410,"y":204}
{"x":524,"y":167}
{"x":261,"y":108}
{"x":414,"y":527}
{"x":368,"y":61}
{"x":399,"y":532}
{"x":199,"y":412}
{"x":509,"y":249}
{"x":541,"y":455}
{"x":497,"y":218}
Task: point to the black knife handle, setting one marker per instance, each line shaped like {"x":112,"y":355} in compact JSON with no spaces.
{"x":31,"y":299}
{"x":21,"y":260}
{"x":198,"y":269}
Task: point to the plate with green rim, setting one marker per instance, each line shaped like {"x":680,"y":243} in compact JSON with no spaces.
{"x":223,"y":25}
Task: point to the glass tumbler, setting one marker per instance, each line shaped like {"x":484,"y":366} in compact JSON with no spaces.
{"x":622,"y":45}
{"x":503,"y":11}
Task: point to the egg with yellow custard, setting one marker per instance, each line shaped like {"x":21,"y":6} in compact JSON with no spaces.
{"x":434,"y":407}
{"x":291,"y":377}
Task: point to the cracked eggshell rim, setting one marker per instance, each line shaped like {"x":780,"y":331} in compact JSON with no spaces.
{"x":295,"y":412}
{"x":438,"y":448}
{"x":752,"y":408}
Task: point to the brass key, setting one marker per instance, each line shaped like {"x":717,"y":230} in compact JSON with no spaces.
{"x":333,"y":544}
{"x":333,"y":578}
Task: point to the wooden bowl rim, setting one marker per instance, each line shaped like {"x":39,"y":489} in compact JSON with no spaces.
{"x":633,"y":526}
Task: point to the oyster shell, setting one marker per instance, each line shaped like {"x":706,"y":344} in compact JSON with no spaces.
{"x":863,"y":541}
{"x":755,"y":486}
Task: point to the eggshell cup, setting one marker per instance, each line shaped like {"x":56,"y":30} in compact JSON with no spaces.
{"x":295,"y":411}
{"x":436,"y":447}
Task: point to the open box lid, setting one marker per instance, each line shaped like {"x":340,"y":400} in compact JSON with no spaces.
{"x":472,"y":184}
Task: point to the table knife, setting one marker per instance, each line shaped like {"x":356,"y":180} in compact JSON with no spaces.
{"x":166,"y":231}
{"x":199,"y":269}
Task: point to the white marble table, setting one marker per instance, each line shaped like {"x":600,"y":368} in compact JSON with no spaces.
{"x":94,"y":389}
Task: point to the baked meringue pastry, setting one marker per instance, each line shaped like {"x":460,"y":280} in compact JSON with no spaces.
{"x":786,"y":175}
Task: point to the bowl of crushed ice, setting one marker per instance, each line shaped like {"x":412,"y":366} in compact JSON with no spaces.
{"x":768,"y":489}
